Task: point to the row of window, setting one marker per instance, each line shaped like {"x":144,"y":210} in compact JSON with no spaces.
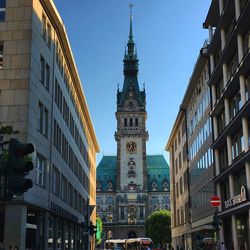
{"x":205,"y":161}
{"x":46,"y":30}
{"x":200,"y":139}
{"x":131,"y":122}
{"x":69,"y":120}
{"x":182,"y":215}
{"x":62,"y":188}
{"x":180,"y":134}
{"x":61,"y":63}
{"x":199,"y":113}
{"x":182,"y":185}
{"x":64,"y":149}
{"x":196,"y":93}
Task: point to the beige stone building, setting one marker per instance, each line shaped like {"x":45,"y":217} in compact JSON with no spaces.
{"x":41,"y":96}
{"x":179,"y":183}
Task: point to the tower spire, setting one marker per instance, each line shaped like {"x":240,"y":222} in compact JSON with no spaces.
{"x":131,"y":43}
{"x":131,"y":24}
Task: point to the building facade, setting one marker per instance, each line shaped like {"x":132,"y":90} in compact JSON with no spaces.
{"x":229,"y":32}
{"x":131,"y":185}
{"x":179,"y":184}
{"x":192,"y":223}
{"x":41,"y":96}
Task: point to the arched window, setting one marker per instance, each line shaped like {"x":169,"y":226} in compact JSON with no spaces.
{"x":131,"y":122}
{"x":136,"y":121}
{"x":125,"y":122}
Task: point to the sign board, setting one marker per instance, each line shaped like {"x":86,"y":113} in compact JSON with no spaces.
{"x":215,"y":201}
{"x":237,"y":199}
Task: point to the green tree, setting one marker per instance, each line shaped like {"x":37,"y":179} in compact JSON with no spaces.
{"x":99,"y":230}
{"x":158,"y":227}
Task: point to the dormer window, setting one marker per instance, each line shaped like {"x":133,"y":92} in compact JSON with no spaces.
{"x":130,"y":104}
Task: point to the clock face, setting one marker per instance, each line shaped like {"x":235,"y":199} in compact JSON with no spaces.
{"x":131,"y":147}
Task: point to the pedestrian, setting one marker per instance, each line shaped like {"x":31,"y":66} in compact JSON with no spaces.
{"x":222,"y":246}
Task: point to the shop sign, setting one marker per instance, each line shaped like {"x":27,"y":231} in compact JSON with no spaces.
{"x":237,"y":199}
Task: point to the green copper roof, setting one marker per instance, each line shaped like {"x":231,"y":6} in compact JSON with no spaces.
{"x":157,"y":170}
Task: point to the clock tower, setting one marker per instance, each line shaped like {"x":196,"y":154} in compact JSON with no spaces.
{"x":131,"y":134}
{"x":130,"y":185}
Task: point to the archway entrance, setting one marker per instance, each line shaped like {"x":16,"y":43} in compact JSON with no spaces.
{"x":132,"y":234}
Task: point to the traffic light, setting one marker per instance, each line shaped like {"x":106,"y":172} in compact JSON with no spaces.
{"x":18,"y":166}
{"x":92,"y":229}
{"x":216,"y":222}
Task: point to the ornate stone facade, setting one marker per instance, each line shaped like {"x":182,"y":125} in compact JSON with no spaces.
{"x":131,"y":185}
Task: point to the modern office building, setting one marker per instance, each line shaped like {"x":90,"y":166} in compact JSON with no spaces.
{"x":41,"y":96}
{"x":229,"y":29}
{"x":191,"y":162}
{"x":132,"y":184}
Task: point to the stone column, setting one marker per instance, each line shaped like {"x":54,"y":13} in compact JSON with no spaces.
{"x":225,"y":78}
{"x":229,"y":150}
{"x":227,"y":111}
{"x":15,"y":225}
{"x":234,"y":230}
{"x":245,"y":134}
{"x":46,"y":230}
{"x":237,"y":9}
{"x":217,"y":162}
{"x":223,"y":38}
{"x":221,"y":6}
{"x":240,"y":47}
{"x":218,"y":189}
{"x":243,"y":89}
{"x":210,"y":29}
{"x":215,"y":123}
{"x":212,"y":63}
{"x":231,"y":185}
{"x":247,"y":167}
{"x":213,"y":94}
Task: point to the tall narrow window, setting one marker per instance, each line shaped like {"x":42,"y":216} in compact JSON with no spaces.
{"x":131,"y":122}
{"x":40,"y":170}
{"x":42,"y":77}
{"x":131,"y":104}
{"x":136,"y":121}
{"x":2,"y":9}
{"x":125,"y":122}
{"x":122,"y":213}
{"x":47,"y":77}
{"x":1,"y":55}
{"x":49,"y":35}
{"x":43,"y":117}
{"x":44,"y":27}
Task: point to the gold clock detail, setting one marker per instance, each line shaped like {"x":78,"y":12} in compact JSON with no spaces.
{"x":131,"y":147}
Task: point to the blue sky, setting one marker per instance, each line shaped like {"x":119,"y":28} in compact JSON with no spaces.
{"x":168,"y":35}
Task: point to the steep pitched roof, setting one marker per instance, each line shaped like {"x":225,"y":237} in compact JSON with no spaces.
{"x":157,"y":170}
